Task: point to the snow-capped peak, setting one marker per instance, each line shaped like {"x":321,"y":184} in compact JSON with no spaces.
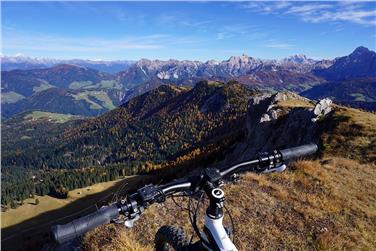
{"x":20,"y":55}
{"x":298,"y":59}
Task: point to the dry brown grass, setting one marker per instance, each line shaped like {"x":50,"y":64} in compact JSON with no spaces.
{"x":346,"y":132}
{"x":350,"y":133}
{"x":316,"y":205}
{"x":291,"y":103}
{"x":115,"y":240}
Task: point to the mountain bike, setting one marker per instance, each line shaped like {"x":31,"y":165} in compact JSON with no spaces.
{"x":214,"y":235}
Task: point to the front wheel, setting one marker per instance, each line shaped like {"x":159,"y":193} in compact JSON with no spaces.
{"x":170,"y":238}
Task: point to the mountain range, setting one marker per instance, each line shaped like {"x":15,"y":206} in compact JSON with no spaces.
{"x":360,"y":63}
{"x":21,"y":62}
{"x":90,"y":92}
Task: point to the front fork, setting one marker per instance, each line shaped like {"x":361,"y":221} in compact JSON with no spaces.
{"x":216,"y":235}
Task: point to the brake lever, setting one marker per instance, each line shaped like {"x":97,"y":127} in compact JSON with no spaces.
{"x":127,"y":223}
{"x":278,"y":169}
{"x":130,"y":222}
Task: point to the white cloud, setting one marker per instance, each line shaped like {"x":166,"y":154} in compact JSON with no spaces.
{"x":40,"y":42}
{"x":317,"y":12}
{"x":221,"y":35}
{"x":267,"y":7}
{"x":279,"y":45}
{"x":367,"y":18}
{"x":195,"y":24}
{"x":307,"y":8}
{"x":235,"y":30}
{"x":180,"y":19}
{"x":19,"y":54}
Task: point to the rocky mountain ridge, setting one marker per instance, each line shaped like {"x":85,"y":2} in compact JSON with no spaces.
{"x":235,"y":66}
{"x":360,"y":63}
{"x":22,"y":62}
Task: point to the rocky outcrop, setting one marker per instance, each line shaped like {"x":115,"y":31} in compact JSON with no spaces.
{"x":322,"y":108}
{"x":271,"y":125}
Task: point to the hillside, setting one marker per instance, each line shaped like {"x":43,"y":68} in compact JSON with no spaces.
{"x":137,"y":137}
{"x":322,"y":204}
{"x":34,"y":127}
{"x":359,"y":93}
{"x":25,"y":81}
{"x":145,"y":125}
{"x":67,"y":89}
{"x":56,"y":100}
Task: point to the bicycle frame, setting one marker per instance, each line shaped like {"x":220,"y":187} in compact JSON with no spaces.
{"x":217,"y":235}
{"x":214,"y":233}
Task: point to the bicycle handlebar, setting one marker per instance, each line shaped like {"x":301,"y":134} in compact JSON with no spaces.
{"x":299,"y":151}
{"x":74,"y":229}
{"x":277,"y":156}
{"x":150,"y":194}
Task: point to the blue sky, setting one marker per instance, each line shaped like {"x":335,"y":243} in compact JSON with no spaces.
{"x":186,"y":30}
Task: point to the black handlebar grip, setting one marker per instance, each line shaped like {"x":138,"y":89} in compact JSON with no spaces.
{"x":71,"y":230}
{"x":299,"y":151}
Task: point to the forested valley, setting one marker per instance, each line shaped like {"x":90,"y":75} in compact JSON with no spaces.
{"x":165,"y":127}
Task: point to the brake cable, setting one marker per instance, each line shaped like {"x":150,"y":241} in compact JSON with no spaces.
{"x":232,"y":223}
{"x":194,"y":219}
{"x":177,"y":204}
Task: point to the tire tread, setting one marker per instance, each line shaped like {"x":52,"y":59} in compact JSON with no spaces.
{"x":172,"y":235}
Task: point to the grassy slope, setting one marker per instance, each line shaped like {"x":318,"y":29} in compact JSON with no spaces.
{"x":105,"y":84}
{"x":99,"y":95}
{"x":352,"y":134}
{"x":10,"y":97}
{"x":55,"y":117}
{"x":325,"y":204}
{"x":79,"y":84}
{"x":42,"y":87}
